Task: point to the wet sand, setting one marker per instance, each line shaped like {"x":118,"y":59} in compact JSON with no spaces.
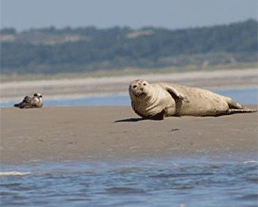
{"x":89,"y":133}
{"x":81,"y":87}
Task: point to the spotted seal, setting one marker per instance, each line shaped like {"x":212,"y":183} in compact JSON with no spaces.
{"x":160,"y":100}
{"x":35,"y":101}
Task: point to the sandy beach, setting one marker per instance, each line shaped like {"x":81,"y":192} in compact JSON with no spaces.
{"x":83,"y":133}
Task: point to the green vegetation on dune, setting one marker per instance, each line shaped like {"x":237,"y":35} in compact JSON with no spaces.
{"x":54,"y":51}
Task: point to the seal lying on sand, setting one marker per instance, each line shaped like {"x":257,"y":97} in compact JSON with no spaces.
{"x":160,"y":100}
{"x":35,"y":101}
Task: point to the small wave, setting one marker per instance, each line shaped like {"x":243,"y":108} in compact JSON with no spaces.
{"x":124,"y":190}
{"x":251,"y":161}
{"x":170,"y":175}
{"x":14,"y":173}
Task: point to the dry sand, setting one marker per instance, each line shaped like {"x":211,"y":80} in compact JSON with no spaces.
{"x":83,"y":133}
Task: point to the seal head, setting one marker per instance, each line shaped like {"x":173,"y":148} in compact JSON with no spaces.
{"x":149,"y":101}
{"x":140,"y":89}
{"x":38,"y":100}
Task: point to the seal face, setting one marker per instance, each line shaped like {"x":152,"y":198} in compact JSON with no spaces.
{"x":35,"y":101}
{"x":159,"y":100}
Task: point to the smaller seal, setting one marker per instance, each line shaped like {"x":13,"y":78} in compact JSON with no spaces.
{"x":159,"y":100}
{"x":35,"y":101}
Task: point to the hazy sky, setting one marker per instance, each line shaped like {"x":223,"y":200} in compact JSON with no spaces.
{"x":172,"y":14}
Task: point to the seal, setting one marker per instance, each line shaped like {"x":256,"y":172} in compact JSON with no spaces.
{"x":35,"y":101}
{"x":156,"y":101}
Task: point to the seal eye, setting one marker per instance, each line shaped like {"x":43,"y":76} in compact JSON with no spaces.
{"x":144,"y":84}
{"x":134,"y":86}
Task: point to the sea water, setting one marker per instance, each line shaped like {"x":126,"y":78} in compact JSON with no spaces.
{"x":180,"y":182}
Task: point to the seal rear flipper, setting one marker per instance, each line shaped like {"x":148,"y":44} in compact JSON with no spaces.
{"x":243,"y":110}
{"x":20,"y":105}
{"x":235,"y":107}
{"x":233,"y":104}
{"x":17,"y":105}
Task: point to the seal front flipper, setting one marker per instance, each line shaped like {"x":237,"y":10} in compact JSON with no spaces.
{"x":158,"y":116}
{"x":175,"y":94}
{"x":178,"y":97}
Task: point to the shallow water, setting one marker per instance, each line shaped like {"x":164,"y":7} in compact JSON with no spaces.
{"x":151,"y":182}
{"x":243,"y":96}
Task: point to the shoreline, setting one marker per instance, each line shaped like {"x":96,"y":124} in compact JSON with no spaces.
{"x":100,"y":95}
{"x":54,"y":134}
{"x":222,"y":79}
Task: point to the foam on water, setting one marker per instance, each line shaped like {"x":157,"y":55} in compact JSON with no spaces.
{"x":14,"y":173}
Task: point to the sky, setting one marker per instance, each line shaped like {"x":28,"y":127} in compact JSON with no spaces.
{"x":171,"y":14}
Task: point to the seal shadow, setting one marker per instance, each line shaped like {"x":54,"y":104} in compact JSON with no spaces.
{"x":157,"y":117}
{"x":139,"y":119}
{"x":130,"y":120}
